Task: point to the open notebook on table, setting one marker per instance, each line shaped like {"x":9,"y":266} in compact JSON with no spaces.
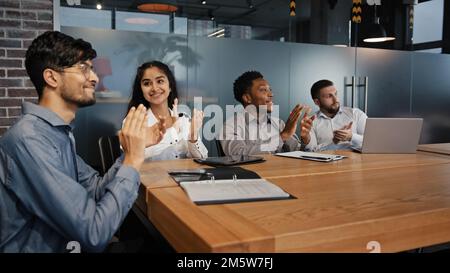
{"x":232,"y":191}
{"x":312,"y":156}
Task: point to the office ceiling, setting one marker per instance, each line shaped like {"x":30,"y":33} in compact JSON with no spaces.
{"x":263,"y":13}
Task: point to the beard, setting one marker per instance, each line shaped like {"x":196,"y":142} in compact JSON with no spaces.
{"x":85,"y":103}
{"x":79,"y":102}
{"x":332,"y":109}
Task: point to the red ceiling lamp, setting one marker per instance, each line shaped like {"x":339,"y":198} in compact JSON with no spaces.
{"x":157,"y":7}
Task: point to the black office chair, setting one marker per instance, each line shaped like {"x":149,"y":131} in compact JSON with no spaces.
{"x":220,"y":151}
{"x":109,"y":147}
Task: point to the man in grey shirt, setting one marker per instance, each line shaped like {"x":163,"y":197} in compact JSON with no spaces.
{"x":49,"y":197}
{"x":335,"y":127}
{"x":256,"y":130}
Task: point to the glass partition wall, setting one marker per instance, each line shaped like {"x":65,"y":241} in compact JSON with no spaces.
{"x":292,"y":53}
{"x":406,"y":25}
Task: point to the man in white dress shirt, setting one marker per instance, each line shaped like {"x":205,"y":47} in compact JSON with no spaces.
{"x":255,"y":130}
{"x":335,"y":127}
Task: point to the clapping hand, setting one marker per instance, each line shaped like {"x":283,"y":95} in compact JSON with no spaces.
{"x":305,"y":125}
{"x":291,"y":123}
{"x":155,"y":132}
{"x":175,"y":123}
{"x":133,"y":136}
{"x":196,"y":124}
{"x":343,"y":134}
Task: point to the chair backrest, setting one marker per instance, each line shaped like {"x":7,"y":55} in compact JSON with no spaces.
{"x":220,"y":151}
{"x":109,"y":147}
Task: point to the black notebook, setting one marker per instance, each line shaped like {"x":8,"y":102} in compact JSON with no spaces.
{"x":229,"y":160}
{"x":207,"y":173}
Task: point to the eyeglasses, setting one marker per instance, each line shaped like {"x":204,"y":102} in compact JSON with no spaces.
{"x":84,"y":68}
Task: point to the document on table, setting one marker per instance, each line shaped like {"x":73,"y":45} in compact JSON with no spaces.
{"x":312,"y":156}
{"x":231,"y":191}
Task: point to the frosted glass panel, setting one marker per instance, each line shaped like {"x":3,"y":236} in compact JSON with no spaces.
{"x":389,"y":81}
{"x":221,"y":61}
{"x":77,"y":17}
{"x":180,"y":25}
{"x":428,"y":18}
{"x":431,"y":95}
{"x":310,"y":63}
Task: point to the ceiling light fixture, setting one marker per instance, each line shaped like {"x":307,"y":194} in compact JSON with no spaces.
{"x":217,"y":32}
{"x":203,"y":2}
{"x":376,"y":32}
{"x":157,"y":7}
{"x":99,"y":5}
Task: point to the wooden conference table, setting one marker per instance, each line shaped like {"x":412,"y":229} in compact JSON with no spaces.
{"x":440,"y":148}
{"x":401,"y":202}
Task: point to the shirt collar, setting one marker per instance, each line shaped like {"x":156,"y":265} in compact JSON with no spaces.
{"x":322,"y":115}
{"x":45,"y":114}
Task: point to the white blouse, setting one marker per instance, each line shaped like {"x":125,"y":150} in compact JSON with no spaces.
{"x":175,"y":144}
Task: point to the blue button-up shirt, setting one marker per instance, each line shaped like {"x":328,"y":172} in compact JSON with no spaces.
{"x":49,"y":196}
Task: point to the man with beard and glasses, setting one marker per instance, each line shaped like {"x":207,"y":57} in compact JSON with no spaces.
{"x":49,"y":197}
{"x":257,"y":129}
{"x":335,"y":127}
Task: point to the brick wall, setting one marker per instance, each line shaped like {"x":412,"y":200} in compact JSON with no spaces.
{"x":20,"y":22}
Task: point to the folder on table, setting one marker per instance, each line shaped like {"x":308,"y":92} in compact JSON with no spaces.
{"x":183,"y":175}
{"x":312,"y":156}
{"x":230,"y":160}
{"x":206,"y":192}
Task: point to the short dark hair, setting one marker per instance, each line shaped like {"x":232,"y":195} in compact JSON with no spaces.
{"x":54,"y":50}
{"x":244,"y":82}
{"x":137,"y":97}
{"x":317,"y":86}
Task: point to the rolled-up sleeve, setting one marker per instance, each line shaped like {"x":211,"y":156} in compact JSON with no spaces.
{"x":360,"y":119}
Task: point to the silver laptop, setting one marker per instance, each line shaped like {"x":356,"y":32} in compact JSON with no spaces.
{"x":391,"y":135}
